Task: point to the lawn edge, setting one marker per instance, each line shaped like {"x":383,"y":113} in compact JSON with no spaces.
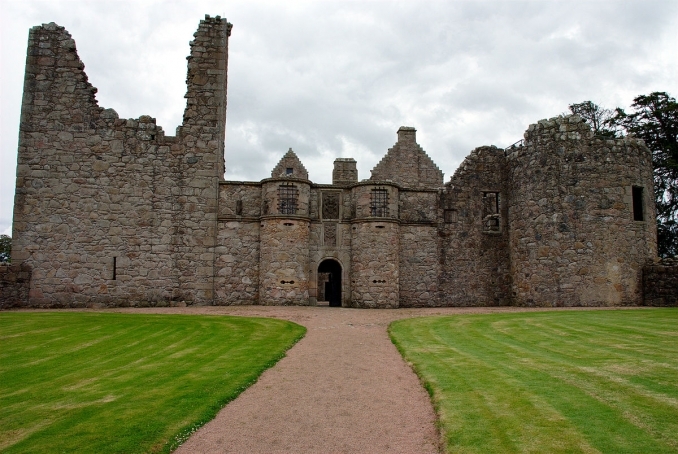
{"x":183,"y":434}
{"x":424,"y":383}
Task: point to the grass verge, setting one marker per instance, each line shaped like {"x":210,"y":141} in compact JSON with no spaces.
{"x":584,"y":381}
{"x":105,"y":382}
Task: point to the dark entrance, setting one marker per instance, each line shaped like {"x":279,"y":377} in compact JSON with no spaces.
{"x":329,"y":282}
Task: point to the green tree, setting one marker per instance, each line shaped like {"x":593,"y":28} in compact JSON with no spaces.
{"x":597,"y":117}
{"x":655,"y":120}
{"x":5,"y":248}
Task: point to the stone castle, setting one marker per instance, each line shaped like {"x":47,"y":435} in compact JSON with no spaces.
{"x":113,"y":211}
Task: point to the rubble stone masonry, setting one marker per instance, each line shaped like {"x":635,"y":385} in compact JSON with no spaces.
{"x":114,"y":212}
{"x":660,"y":283}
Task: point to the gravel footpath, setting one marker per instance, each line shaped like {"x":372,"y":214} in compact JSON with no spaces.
{"x":343,"y":388}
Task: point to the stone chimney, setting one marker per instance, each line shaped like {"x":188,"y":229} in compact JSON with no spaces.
{"x":345,"y":171}
{"x":407,"y":134}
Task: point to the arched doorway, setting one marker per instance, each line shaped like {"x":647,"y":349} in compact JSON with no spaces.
{"x":329,"y":282}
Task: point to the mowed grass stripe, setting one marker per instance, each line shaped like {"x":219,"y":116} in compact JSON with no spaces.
{"x":106,"y":382}
{"x":584,"y":381}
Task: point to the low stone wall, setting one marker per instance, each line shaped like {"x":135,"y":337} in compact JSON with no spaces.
{"x":15,"y":282}
{"x":660,"y":283}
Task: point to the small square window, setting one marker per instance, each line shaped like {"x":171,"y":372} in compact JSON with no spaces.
{"x":289,"y":171}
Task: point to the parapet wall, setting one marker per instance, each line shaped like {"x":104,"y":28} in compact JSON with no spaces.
{"x":660,"y":283}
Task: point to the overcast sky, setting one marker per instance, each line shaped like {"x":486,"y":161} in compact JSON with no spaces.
{"x":337,"y":79}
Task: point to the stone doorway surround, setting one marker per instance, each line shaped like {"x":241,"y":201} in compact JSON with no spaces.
{"x":329,"y":283}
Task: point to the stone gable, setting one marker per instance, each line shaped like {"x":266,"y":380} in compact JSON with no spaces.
{"x":408,"y":164}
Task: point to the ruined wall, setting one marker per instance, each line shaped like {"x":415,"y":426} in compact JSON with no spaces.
{"x":660,"y":283}
{"x":573,"y":237}
{"x":474,"y":233}
{"x":109,"y":210}
{"x":15,"y":283}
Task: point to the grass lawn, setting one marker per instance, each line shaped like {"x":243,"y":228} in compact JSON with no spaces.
{"x":106,"y":382}
{"x":584,"y":381}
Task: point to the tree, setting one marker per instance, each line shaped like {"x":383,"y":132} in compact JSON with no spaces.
{"x":597,"y":117}
{"x":5,"y":248}
{"x":655,"y":120}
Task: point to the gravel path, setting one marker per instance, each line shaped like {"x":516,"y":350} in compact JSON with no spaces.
{"x":342,"y":388}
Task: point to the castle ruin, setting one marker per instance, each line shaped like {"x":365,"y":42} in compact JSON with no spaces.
{"x":113,"y":211}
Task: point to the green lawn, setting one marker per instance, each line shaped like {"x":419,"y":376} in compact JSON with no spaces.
{"x":584,"y":381}
{"x":106,"y":382}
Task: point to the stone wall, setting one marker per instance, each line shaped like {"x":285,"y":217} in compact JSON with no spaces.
{"x":236,"y":263}
{"x":660,"y":283}
{"x":474,"y":233}
{"x":375,"y":264}
{"x":109,"y":210}
{"x":15,"y":282}
{"x":419,"y":265}
{"x":239,"y":199}
{"x":284,"y":261}
{"x":573,"y":237}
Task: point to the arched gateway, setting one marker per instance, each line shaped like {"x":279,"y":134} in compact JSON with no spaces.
{"x":329,"y":282}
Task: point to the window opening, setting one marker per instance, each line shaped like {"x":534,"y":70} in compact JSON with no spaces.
{"x":287,"y":199}
{"x":379,"y":202}
{"x":289,"y":171}
{"x":491,"y":214}
{"x":450,"y":216}
{"x":238,"y":207}
{"x":115,"y":259}
{"x":637,"y":193}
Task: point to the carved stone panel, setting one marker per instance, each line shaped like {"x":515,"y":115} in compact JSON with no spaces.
{"x":330,"y":234}
{"x":330,"y":205}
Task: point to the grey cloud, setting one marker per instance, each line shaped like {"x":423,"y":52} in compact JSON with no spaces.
{"x":337,"y":78}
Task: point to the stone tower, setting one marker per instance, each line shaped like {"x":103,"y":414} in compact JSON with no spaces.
{"x":581,"y":216}
{"x":284,"y":237}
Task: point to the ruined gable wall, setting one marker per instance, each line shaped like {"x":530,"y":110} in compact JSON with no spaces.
{"x":474,"y":252}
{"x":202,"y":136}
{"x":573,"y":237}
{"x":109,"y":210}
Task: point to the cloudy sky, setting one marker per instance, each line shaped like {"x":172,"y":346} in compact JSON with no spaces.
{"x":336,"y":79}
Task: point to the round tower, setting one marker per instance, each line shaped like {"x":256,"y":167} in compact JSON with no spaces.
{"x":284,"y":247}
{"x":375,"y":255}
{"x":581,"y":216}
